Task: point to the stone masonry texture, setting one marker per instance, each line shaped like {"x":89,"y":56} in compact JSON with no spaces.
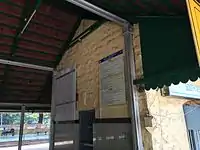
{"x":168,"y":131}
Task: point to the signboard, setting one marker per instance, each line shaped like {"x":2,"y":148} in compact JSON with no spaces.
{"x":194,"y":14}
{"x":112,"y":83}
{"x":187,"y":90}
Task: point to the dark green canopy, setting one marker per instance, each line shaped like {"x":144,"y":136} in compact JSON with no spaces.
{"x":128,"y":9}
{"x":168,"y":52}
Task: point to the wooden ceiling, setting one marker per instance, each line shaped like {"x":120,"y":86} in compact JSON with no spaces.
{"x":47,"y":36}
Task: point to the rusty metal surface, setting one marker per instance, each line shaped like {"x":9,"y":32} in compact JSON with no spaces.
{"x":41,"y":44}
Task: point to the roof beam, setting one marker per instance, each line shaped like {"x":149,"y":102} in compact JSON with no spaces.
{"x":99,"y":11}
{"x":85,"y":33}
{"x":25,"y":65}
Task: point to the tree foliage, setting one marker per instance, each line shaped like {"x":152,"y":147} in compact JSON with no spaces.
{"x":29,"y":118}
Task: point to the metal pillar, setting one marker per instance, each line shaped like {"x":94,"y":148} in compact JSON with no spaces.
{"x":52,"y":126}
{"x":21,"y":128}
{"x":131,"y":91}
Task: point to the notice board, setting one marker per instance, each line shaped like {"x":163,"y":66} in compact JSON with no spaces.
{"x":194,"y":14}
{"x":112,"y":82}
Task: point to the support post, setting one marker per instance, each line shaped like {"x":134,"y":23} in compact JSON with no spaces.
{"x":40,"y":118}
{"x":52,"y":126}
{"x":21,"y":128}
{"x":131,"y":91}
{"x":1,"y":119}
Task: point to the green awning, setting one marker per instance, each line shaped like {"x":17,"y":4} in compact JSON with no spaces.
{"x":129,"y":8}
{"x":168,"y":52}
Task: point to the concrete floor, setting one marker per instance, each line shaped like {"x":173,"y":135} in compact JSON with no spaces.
{"x":44,"y":146}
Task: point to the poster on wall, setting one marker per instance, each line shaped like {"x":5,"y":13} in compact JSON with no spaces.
{"x":112,"y":83}
{"x":187,"y":90}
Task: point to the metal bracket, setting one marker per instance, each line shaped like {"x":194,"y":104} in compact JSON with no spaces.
{"x":25,"y":65}
{"x":98,"y":11}
{"x":127,"y":29}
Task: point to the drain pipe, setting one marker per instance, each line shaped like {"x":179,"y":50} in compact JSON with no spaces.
{"x":129,"y":67}
{"x":131,"y":90}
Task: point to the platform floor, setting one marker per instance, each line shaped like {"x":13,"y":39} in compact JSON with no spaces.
{"x":44,"y":146}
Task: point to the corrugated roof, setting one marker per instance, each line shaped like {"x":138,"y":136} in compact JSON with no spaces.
{"x":47,"y":36}
{"x":42,"y":43}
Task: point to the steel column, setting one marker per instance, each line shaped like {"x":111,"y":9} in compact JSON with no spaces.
{"x":131,"y":91}
{"x":52,"y":126}
{"x":25,"y":65}
{"x":21,"y":128}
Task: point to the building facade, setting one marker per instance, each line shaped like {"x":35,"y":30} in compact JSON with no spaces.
{"x":162,"y":117}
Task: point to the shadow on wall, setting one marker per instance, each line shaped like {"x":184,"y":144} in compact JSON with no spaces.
{"x":146,"y":121}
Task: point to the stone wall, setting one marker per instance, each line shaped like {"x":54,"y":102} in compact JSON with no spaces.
{"x":169,"y":127}
{"x":83,"y":26}
{"x":85,"y":56}
{"x":168,"y":130}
